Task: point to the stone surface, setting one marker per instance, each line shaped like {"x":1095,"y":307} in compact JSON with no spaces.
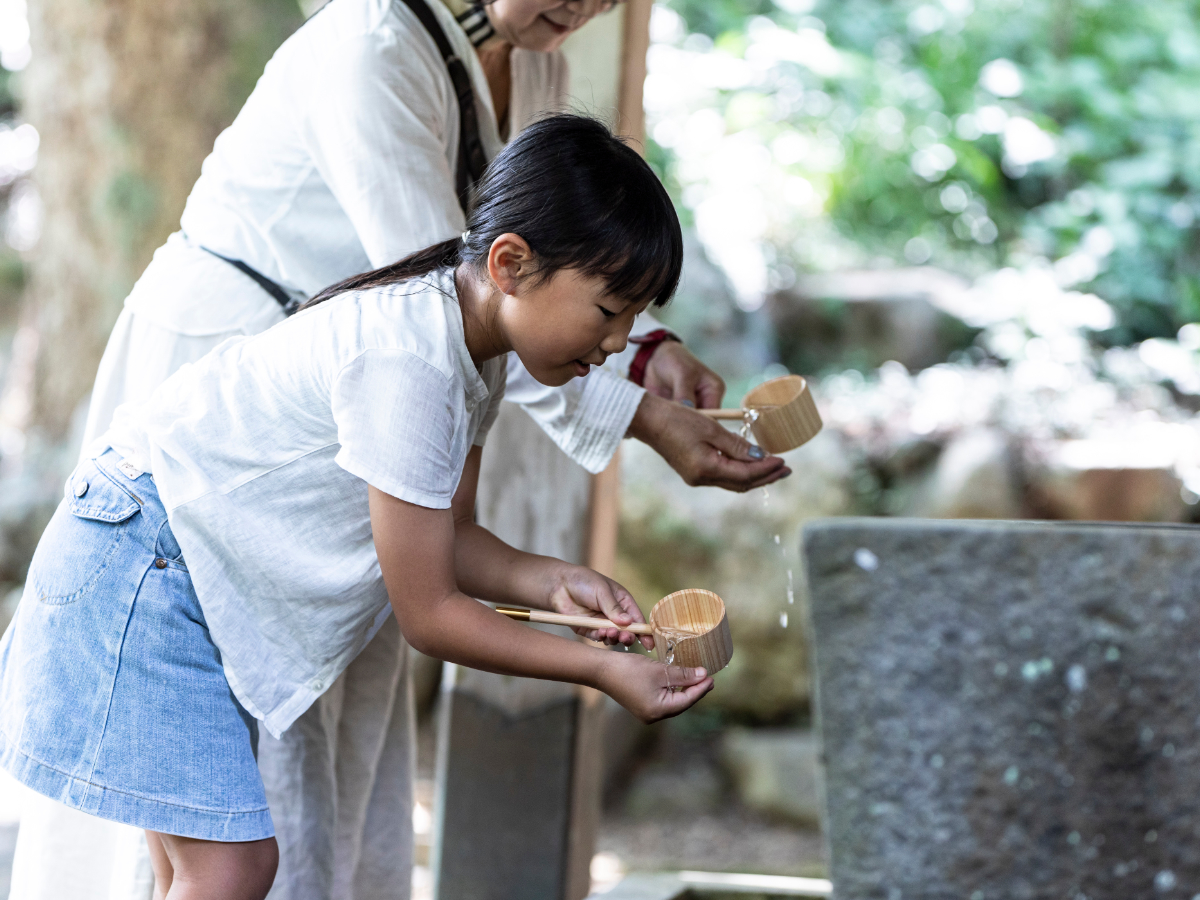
{"x":504,"y":804}
{"x":775,"y":771}
{"x":648,"y":886}
{"x":1008,"y":710}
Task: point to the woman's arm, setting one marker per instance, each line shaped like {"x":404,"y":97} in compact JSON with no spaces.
{"x":416,"y":548}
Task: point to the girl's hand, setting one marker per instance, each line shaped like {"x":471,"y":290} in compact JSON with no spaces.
{"x":579,"y":591}
{"x":650,"y":690}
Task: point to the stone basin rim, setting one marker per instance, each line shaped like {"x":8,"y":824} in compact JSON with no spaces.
{"x":881,"y":523}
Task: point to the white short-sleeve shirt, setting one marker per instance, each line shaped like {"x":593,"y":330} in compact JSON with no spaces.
{"x":262,"y":453}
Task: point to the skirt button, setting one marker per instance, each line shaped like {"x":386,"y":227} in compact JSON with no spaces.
{"x":81,"y":488}
{"x":160,"y":563}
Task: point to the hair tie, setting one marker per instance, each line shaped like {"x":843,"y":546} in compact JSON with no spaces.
{"x":465,"y":235}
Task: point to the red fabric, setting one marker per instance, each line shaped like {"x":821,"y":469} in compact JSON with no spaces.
{"x":648,"y":344}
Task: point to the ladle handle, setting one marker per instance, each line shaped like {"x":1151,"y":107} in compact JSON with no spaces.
{"x":548,"y":618}
{"x":738,"y":414}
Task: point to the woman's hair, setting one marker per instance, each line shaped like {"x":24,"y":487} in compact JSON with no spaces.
{"x":580,"y":197}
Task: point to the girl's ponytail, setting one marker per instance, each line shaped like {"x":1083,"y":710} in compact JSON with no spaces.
{"x":580,"y":197}
{"x":439,"y":256}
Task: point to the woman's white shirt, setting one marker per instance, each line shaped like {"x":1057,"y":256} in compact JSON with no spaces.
{"x":342,"y":160}
{"x":343,"y":157}
{"x":262,"y":452}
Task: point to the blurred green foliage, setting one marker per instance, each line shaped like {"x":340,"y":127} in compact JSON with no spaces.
{"x":8,"y":102}
{"x":1080,"y":146}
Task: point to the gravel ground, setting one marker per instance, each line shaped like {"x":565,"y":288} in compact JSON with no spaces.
{"x":671,"y":807}
{"x":735,"y":841}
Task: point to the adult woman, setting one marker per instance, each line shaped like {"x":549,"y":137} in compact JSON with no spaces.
{"x":343,"y":159}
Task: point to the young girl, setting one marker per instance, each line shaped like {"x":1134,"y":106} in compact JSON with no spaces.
{"x":238,"y":539}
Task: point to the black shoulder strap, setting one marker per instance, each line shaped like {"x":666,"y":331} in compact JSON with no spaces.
{"x":471,"y":159}
{"x":289,"y":303}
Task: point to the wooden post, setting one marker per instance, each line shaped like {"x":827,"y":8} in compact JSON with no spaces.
{"x":635,"y":43}
{"x":519,"y":761}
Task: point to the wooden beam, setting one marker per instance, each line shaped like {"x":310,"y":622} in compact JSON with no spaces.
{"x":635,"y":44}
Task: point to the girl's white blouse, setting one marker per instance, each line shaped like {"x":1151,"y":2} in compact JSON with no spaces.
{"x":262,"y":452}
{"x":342,"y":160}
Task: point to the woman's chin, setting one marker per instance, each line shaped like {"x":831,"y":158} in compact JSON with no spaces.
{"x":544,"y":37}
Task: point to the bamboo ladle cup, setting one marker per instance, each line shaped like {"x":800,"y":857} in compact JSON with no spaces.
{"x":690,"y":628}
{"x":781,"y":414}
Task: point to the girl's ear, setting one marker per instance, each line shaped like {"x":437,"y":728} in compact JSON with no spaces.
{"x":509,"y":261}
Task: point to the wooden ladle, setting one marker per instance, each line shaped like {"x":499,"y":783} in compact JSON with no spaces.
{"x":781,"y":414}
{"x":690,"y":628}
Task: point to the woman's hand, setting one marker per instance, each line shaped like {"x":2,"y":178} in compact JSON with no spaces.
{"x":701,"y":450}
{"x":579,"y":591}
{"x":650,"y":690}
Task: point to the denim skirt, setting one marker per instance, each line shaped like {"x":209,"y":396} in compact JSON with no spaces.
{"x":112,"y":696}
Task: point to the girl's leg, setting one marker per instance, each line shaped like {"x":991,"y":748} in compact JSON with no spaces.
{"x":190,"y":869}
{"x":163,"y":873}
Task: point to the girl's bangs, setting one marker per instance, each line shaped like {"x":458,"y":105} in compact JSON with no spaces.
{"x":646,"y":265}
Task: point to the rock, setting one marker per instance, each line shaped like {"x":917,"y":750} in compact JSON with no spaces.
{"x":975,"y":478}
{"x":1086,"y":480}
{"x":673,"y":789}
{"x":1006,"y":708}
{"x":870,"y":317}
{"x":775,"y":772}
{"x":1113,"y":495}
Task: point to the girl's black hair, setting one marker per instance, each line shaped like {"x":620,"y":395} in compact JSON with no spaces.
{"x":580,"y":197}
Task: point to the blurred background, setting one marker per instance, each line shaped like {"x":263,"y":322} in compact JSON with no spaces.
{"x":970,"y":222}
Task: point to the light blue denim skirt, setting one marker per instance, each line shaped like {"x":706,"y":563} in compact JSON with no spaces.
{"x":112,"y":695}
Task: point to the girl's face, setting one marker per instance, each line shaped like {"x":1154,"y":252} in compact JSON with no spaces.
{"x":542,"y":25}
{"x":562,"y":326}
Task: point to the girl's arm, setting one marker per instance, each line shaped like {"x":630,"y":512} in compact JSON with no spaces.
{"x":488,"y":569}
{"x":416,"y":549}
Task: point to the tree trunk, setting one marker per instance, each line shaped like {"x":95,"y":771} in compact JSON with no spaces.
{"x":128,"y":96}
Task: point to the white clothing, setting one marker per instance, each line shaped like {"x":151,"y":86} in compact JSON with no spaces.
{"x":144,"y":350}
{"x":262,"y":452}
{"x":340,"y":783}
{"x":351,"y":134}
{"x":343,"y":160}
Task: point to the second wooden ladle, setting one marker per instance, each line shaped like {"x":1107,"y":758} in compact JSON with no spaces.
{"x":689,"y":627}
